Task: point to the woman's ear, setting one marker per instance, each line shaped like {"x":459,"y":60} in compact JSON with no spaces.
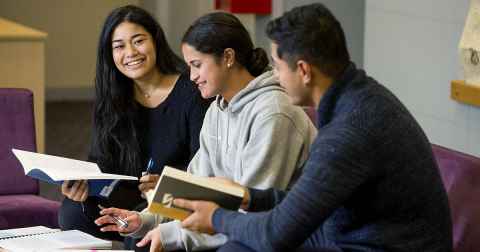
{"x":229,"y":57}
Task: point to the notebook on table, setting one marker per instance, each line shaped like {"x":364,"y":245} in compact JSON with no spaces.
{"x":44,"y":239}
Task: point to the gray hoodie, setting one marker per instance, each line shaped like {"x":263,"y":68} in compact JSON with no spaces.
{"x":259,"y":140}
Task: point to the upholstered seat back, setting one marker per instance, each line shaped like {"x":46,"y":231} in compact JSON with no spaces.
{"x":461,"y":176}
{"x":17,"y":130}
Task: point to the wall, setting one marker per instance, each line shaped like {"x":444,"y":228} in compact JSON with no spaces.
{"x":350,"y":14}
{"x":73,"y":28}
{"x":411,"y":47}
{"x":175,"y":22}
{"x":175,"y":16}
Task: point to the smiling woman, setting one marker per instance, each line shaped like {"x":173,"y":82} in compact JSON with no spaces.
{"x":134,"y":52}
{"x":146,"y":108}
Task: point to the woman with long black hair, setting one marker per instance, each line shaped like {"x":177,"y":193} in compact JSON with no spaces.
{"x":147,"y":111}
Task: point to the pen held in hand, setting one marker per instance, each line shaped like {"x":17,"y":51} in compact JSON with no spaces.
{"x":149,"y":167}
{"x":119,"y":221}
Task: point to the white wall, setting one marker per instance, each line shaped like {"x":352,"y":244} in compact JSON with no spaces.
{"x":175,"y":16}
{"x":411,"y":47}
{"x":350,"y":14}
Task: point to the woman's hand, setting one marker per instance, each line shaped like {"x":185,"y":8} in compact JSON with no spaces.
{"x":131,"y":217}
{"x":153,"y":237}
{"x":148,"y":182}
{"x":78,"y":191}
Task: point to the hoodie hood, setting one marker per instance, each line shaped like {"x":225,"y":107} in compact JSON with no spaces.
{"x":261,"y":84}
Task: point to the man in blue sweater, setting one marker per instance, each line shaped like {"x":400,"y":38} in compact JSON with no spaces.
{"x":371,"y":182}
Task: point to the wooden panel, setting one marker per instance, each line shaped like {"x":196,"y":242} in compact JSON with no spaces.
{"x":23,"y":66}
{"x":22,"y":50}
{"x":13,"y":31}
{"x":464,"y":93}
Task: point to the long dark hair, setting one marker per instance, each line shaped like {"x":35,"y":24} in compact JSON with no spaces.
{"x":115,"y":138}
{"x":217,"y":31}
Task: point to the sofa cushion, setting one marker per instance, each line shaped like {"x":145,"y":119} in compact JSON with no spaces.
{"x":461,"y":176}
{"x":27,"y":210}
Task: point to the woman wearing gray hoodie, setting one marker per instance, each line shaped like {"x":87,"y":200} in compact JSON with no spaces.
{"x":251,"y":133}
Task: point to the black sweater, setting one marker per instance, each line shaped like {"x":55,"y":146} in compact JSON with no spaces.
{"x":370,"y":184}
{"x":168,"y":133}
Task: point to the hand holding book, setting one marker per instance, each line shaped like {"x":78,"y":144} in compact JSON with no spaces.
{"x":177,"y":184}
{"x":201,"y":218}
{"x":76,"y":190}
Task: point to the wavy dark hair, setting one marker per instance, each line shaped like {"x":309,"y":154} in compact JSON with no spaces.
{"x":217,"y":31}
{"x":115,"y":138}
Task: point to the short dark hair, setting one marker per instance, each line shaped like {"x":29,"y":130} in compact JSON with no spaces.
{"x":313,"y":34}
{"x":217,"y":31}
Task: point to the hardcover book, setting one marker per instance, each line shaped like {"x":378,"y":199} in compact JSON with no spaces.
{"x":174,"y":183}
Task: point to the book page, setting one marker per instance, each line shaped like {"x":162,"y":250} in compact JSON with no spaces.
{"x":10,"y":233}
{"x":60,"y":168}
{"x":59,"y":240}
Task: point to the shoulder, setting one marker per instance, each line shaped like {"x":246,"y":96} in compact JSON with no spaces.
{"x":275,"y":107}
{"x":186,"y":86}
{"x":189,"y":93}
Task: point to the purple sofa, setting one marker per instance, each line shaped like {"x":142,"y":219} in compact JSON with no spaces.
{"x":461,"y":177}
{"x":20,"y":205}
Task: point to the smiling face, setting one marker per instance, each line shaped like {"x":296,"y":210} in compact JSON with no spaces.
{"x":209,"y":75}
{"x":133,"y":51}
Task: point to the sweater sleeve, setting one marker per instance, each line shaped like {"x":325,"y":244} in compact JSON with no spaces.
{"x":339,"y":163}
{"x":174,"y":237}
{"x":148,"y":222}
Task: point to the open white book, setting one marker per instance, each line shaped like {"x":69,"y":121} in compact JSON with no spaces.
{"x":55,"y":170}
{"x":46,"y":239}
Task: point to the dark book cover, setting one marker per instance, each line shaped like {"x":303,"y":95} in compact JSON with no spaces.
{"x":179,"y":184}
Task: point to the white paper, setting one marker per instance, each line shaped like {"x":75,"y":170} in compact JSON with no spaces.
{"x":58,"y":240}
{"x":469,"y":45}
{"x":60,"y":168}
{"x":8,"y":233}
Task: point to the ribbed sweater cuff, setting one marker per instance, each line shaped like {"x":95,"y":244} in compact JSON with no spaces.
{"x":218,"y":220}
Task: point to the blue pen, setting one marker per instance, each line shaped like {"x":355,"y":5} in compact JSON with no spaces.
{"x":149,"y":167}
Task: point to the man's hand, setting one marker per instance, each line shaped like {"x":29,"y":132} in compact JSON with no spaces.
{"x":152,"y":236}
{"x":201,"y":219}
{"x":246,"y":194}
{"x":131,"y":217}
{"x":75,"y":190}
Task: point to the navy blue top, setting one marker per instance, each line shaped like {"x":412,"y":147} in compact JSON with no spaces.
{"x":370,"y":184}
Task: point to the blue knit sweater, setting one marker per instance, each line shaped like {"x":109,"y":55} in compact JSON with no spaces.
{"x":370,"y":184}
